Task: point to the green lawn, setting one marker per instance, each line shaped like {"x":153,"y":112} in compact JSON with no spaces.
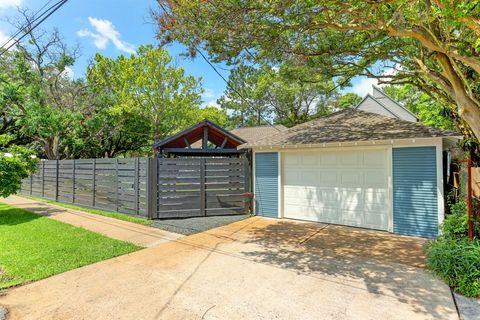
{"x":115,"y":215}
{"x":34,"y":247}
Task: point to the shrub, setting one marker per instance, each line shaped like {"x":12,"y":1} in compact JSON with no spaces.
{"x":455,"y":225}
{"x":16,"y":163}
{"x":457,"y":261}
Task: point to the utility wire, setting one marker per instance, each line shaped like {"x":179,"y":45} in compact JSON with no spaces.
{"x":24,"y":26}
{"x":229,"y":85}
{"x":30,"y":27}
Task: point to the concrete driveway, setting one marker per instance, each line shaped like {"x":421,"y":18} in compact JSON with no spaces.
{"x":252,"y":269}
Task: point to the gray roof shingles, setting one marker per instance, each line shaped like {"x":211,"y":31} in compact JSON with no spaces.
{"x":350,"y":125}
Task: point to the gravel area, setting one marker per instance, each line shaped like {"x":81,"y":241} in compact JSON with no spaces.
{"x":189,"y":226}
{"x":469,"y":308}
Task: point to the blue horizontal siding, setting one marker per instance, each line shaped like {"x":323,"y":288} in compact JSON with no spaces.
{"x":266,"y":184}
{"x":415,"y":206}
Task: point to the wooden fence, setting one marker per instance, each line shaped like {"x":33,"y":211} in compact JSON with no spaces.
{"x":110,"y":184}
{"x":149,"y":187}
{"x":192,"y":187}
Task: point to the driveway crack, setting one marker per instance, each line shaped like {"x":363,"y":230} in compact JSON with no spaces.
{"x":313,"y":234}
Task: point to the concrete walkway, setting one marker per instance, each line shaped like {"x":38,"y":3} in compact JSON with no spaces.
{"x":141,"y":235}
{"x":256,"y":268}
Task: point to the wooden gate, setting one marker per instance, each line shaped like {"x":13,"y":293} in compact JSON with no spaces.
{"x":196,"y":187}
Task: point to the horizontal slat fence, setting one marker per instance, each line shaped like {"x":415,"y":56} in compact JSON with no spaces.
{"x":109,"y":184}
{"x":149,"y":187}
{"x":195,"y":187}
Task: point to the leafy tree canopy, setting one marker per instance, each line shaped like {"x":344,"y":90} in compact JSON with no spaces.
{"x":431,"y":44}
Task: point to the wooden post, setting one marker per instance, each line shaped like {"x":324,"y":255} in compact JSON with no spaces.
{"x":116,"y":184}
{"x":93,"y":181}
{"x":469,"y":200}
{"x":57,"y":168}
{"x":152,"y":187}
{"x":136,"y":184}
{"x":73,"y":182}
{"x":205,"y":138}
{"x":246,"y":172}
{"x":31,"y":183}
{"x":203,"y":195}
{"x":43,"y":179}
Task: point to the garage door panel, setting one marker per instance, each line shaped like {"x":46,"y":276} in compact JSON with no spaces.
{"x":375,"y":179}
{"x":375,"y":159}
{"x":328,"y":179}
{"x":341,"y":187}
{"x":351,"y":159}
{"x":328,"y":159}
{"x":309,"y":159}
{"x":349,"y":178}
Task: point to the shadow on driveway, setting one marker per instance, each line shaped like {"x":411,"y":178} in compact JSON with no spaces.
{"x":383,"y":263}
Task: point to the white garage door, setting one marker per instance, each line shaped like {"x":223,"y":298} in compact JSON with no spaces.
{"x":348,"y":187}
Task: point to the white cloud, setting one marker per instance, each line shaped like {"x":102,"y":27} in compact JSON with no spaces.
{"x":7,"y":4}
{"x":209,"y":93}
{"x":210,"y":97}
{"x":105,"y":33}
{"x":5,"y":39}
{"x":68,"y":73}
{"x":364,"y":85}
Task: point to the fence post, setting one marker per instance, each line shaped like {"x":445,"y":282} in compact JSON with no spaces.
{"x":56,"y":179}
{"x":93,"y":182}
{"x":43,"y":179}
{"x":73,"y":182}
{"x":246,"y":172}
{"x":31,"y":183}
{"x":136,"y":184}
{"x":203,"y":196}
{"x":152,"y":195}
{"x":116,"y":184}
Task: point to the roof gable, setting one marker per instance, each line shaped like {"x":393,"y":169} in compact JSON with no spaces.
{"x":216,"y":135}
{"x":393,"y":105}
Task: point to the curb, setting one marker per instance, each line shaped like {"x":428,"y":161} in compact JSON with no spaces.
{"x":3,"y":313}
{"x":468,"y":308}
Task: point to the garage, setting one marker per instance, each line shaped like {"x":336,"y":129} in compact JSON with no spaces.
{"x":357,"y":169}
{"x":348,"y":187}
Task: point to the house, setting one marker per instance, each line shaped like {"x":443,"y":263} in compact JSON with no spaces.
{"x":354,"y":168}
{"x":379,"y":102}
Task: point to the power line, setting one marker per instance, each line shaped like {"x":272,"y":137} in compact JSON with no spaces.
{"x":48,"y":13}
{"x":221,"y":76}
{"x":24,"y":26}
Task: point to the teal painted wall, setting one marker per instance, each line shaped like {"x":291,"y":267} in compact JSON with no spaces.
{"x":266,"y":184}
{"x":415,"y":206}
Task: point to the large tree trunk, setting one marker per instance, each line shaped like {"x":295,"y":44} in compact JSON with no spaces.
{"x":468,"y":108}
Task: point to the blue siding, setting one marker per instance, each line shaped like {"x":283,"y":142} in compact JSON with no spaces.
{"x":266,"y":184}
{"x":415,"y":207}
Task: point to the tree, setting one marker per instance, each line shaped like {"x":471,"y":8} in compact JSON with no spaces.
{"x":213,"y":114}
{"x":37,"y":95}
{"x":245,"y":96}
{"x":348,"y":100}
{"x":147,"y":85}
{"x":16,"y":163}
{"x":430,"y":111}
{"x":257,"y":95}
{"x":431,"y":44}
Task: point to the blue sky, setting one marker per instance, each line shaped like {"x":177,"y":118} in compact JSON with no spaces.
{"x":113,"y":27}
